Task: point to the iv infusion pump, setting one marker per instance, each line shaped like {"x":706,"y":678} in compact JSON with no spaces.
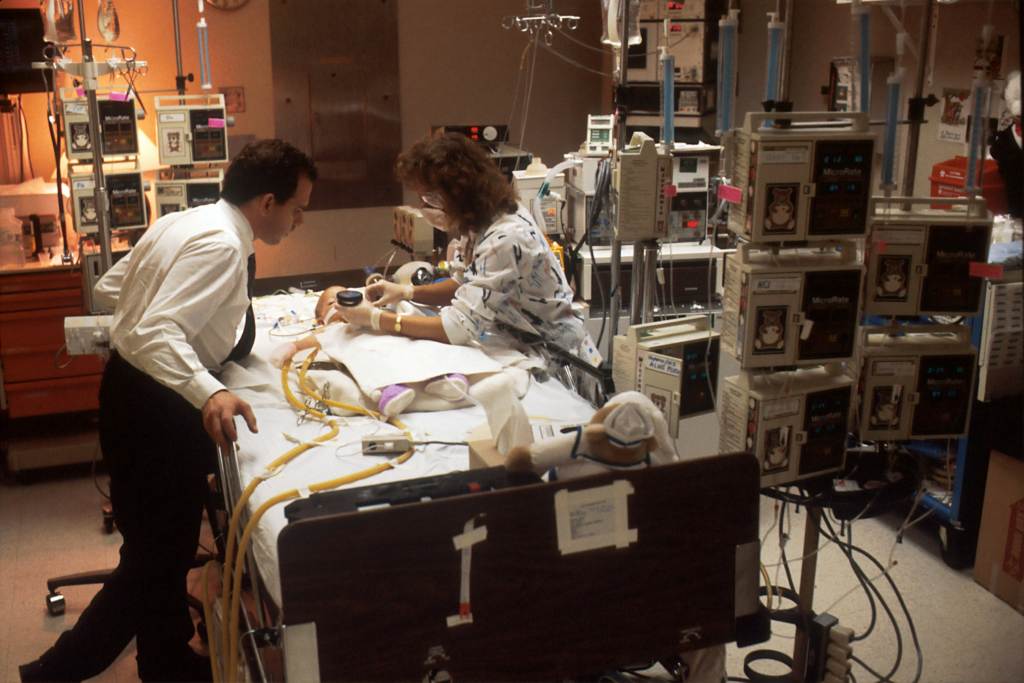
{"x":794,"y":423}
{"x":795,"y":308}
{"x":639,"y":202}
{"x":917,"y":385}
{"x":125,"y":193}
{"x":806,"y":182}
{"x":118,"y":125}
{"x":191,"y":129}
{"x":674,"y":363}
{"x":179,"y":189}
{"x":919,"y":260}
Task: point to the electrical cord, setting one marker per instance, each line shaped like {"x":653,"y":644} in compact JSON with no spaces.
{"x":575,"y":63}
{"x":847,"y":548}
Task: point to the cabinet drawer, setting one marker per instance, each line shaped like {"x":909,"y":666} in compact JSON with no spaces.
{"x":25,"y":329}
{"x":51,"y":298}
{"x":47,"y":397}
{"x":40,"y":280}
{"x":36,"y":362}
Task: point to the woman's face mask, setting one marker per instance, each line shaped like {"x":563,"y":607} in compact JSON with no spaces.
{"x":437,"y":218}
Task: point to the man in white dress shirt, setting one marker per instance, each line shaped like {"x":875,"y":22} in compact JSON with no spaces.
{"x":179,"y":301}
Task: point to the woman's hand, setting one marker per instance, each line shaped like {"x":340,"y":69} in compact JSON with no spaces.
{"x":326,"y":301}
{"x":388,"y":293}
{"x":357,"y":315}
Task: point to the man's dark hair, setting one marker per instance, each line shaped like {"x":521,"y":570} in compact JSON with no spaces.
{"x":266,"y":167}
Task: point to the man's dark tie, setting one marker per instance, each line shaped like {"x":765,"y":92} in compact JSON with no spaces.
{"x":244,"y":345}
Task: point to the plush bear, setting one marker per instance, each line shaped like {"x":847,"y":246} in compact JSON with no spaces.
{"x":622,"y":435}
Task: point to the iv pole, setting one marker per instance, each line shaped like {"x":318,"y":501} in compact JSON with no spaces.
{"x":90,"y":80}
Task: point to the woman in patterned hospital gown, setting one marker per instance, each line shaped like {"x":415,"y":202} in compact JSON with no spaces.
{"x":503,"y":271}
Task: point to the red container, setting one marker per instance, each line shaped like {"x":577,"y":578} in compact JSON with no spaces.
{"x":948,"y":178}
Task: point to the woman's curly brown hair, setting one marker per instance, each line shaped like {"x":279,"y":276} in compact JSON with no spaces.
{"x":470,"y":184}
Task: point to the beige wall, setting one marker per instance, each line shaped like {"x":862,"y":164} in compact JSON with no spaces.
{"x":458,"y":65}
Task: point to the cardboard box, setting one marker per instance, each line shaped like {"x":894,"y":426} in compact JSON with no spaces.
{"x":999,"y":566}
{"x":482,"y":452}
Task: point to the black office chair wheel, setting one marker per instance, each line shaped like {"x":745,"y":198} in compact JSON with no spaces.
{"x":108,"y":519}
{"x":55,"y":604}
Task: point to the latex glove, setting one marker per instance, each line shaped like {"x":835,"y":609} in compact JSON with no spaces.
{"x":326,"y":301}
{"x":388,"y":293}
{"x":357,"y":315}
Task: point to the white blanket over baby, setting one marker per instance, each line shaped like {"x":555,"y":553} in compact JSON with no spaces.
{"x":377,"y":359}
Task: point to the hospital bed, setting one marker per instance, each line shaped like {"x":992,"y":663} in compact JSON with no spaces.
{"x":345,"y":591}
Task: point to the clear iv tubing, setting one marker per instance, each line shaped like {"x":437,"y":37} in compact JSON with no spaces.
{"x":204,"y":54}
{"x":891,"y":121}
{"x":668,"y":93}
{"x":727,"y":71}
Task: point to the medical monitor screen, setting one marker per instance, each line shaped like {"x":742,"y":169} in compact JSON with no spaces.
{"x":21,"y":43}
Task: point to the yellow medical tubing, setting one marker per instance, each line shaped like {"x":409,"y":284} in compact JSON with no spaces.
{"x":236,"y":515}
{"x":208,"y":618}
{"x":231,"y":633}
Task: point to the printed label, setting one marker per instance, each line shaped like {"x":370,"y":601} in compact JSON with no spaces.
{"x":893,"y":368}
{"x":665,"y":364}
{"x":777,"y":284}
{"x":594,"y":518}
{"x":775,"y":409}
{"x":784,"y":155}
{"x":172,"y":118}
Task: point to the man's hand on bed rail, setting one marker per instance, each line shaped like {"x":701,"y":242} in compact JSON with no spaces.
{"x":219,"y":418}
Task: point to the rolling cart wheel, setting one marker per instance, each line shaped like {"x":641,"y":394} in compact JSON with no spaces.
{"x":201,"y":630}
{"x":55,"y":604}
{"x":108,"y":519}
{"x":958,"y":547}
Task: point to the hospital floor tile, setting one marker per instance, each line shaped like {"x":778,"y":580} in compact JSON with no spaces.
{"x":967,"y":635}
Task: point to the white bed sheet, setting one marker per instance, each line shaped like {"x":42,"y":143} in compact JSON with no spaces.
{"x":257,"y":382}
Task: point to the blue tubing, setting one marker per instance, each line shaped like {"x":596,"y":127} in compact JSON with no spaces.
{"x":771,"y":85}
{"x":725,"y":86}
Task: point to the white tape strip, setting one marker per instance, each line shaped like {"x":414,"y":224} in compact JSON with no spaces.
{"x":470,"y":538}
{"x":594,"y":518}
{"x":300,"y":442}
{"x":269,"y":472}
{"x":303,"y":491}
{"x":465,"y":542}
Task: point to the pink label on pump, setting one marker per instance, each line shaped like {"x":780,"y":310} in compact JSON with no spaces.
{"x":730,"y":194}
{"x":992,"y":271}
{"x":119,"y":96}
{"x":215,"y":123}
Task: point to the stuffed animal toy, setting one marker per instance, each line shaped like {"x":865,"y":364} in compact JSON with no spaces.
{"x":627,"y":433}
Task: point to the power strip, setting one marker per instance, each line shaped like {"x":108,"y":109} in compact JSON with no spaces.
{"x":377,"y":445}
{"x":87,"y":334}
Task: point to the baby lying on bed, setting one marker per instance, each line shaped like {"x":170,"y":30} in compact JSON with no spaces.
{"x":402,"y":374}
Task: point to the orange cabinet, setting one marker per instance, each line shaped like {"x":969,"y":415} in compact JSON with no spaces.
{"x":36,"y":381}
